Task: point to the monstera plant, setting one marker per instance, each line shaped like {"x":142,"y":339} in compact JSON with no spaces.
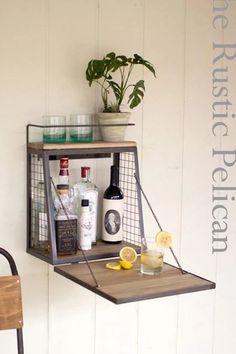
{"x":102,"y":72}
{"x":113,"y":75}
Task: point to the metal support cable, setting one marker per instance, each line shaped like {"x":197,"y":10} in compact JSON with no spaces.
{"x":157,"y":221}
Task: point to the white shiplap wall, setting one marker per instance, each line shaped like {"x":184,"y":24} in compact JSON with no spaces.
{"x":44,"y":48}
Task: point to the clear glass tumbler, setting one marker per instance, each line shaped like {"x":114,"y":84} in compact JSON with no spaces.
{"x":151,"y":257}
{"x":82,"y":134}
{"x":54,"y":134}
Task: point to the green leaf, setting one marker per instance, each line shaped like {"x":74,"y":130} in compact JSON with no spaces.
{"x":109,"y":61}
{"x":137,"y":94}
{"x":95,"y":70}
{"x":116,"y":89}
{"x":110,"y":56}
{"x":139,"y":60}
{"x":120,"y":61}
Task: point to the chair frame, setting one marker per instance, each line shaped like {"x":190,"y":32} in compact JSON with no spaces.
{"x":14,"y":271}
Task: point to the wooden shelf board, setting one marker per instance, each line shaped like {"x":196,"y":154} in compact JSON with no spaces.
{"x":70,"y":145}
{"x":130,"y":285}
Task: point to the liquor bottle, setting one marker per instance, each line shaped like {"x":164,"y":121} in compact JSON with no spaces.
{"x":113,"y":210}
{"x":65,"y":222}
{"x":64,"y":171}
{"x":84,"y":226}
{"x":85,"y":189}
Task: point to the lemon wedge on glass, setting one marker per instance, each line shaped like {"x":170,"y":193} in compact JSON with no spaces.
{"x":128,"y":254}
{"x":163,"y":239}
{"x":113,"y":266}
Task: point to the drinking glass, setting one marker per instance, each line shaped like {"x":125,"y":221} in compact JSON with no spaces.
{"x":54,"y":134}
{"x":81,"y":134}
{"x":151,"y":257}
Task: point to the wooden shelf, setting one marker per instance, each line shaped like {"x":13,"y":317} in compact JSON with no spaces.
{"x":130,"y":285}
{"x":99,"y":251}
{"x":92,"y":145}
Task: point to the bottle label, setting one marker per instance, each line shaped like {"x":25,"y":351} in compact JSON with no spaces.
{"x":66,"y":234}
{"x":63,"y":179}
{"x":112,"y":220}
{"x":85,"y":227}
{"x":92,"y":196}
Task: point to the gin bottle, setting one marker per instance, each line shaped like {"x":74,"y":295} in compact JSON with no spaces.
{"x":85,"y":189}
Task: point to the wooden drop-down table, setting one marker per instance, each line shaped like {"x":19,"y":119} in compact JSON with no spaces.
{"x":122,"y":286}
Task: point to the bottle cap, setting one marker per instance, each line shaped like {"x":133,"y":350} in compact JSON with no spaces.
{"x":84,"y":202}
{"x":84,"y":170}
{"x":62,"y":186}
{"x":64,"y":162}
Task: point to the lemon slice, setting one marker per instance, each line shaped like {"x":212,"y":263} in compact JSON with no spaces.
{"x":164,"y":239}
{"x":126,"y":265}
{"x":128,"y":254}
{"x":113,"y":266}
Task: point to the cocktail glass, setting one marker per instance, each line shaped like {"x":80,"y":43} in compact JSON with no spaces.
{"x":151,"y":257}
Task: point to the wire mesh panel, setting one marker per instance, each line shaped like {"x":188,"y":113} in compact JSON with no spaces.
{"x":132,"y":217}
{"x":39,"y":222}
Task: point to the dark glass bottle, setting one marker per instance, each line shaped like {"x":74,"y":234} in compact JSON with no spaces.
{"x":113,"y":199}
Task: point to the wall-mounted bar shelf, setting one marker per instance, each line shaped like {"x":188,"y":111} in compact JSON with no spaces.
{"x":117,"y":286}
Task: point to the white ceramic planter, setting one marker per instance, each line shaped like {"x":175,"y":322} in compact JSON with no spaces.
{"x":112,"y":132}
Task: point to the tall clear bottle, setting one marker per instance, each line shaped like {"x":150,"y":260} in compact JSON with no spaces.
{"x":85,"y":189}
{"x":113,"y":210}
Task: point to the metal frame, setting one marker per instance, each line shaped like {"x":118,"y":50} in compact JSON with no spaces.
{"x":54,"y":154}
{"x":12,"y":264}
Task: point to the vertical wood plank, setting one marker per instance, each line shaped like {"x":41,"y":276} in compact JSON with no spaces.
{"x":198,"y":142}
{"x":120,"y":30}
{"x":71,"y":317}
{"x":225,"y":308}
{"x":72,"y":43}
{"x":195,"y":323}
{"x":157,"y":326}
{"x":162,"y":156}
{"x":22,"y":92}
{"x":197,"y":168}
{"x":116,"y":328}
{"x":163,"y":116}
